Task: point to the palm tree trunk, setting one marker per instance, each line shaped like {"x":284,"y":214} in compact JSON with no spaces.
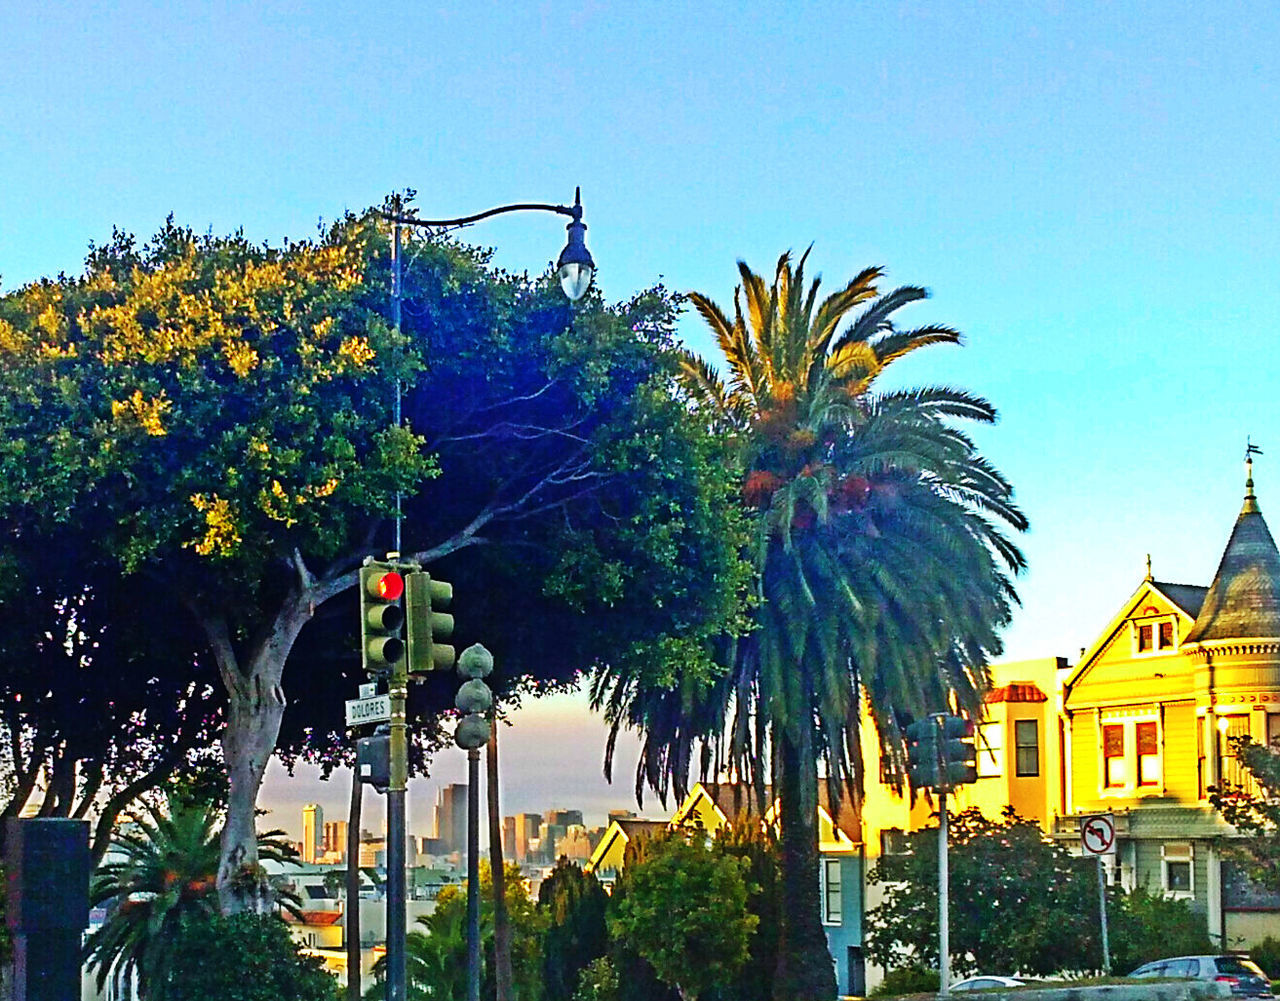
{"x":352,"y":917}
{"x":805,"y":970}
{"x":501,"y":926}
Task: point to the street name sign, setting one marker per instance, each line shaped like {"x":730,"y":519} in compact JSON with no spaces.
{"x":1098,"y":834}
{"x":370,"y":710}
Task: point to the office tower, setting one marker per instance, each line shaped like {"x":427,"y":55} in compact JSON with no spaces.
{"x":451,"y":817}
{"x":312,"y":831}
{"x":564,"y":818}
{"x":527,"y":827}
{"x":335,"y":837}
{"x":509,"y":837}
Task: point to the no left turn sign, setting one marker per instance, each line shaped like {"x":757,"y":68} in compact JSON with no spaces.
{"x":1098,"y":834}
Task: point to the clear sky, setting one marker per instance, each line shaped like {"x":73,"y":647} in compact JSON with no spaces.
{"x":1089,"y":190}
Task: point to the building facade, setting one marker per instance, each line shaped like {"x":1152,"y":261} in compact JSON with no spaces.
{"x":1148,"y":716}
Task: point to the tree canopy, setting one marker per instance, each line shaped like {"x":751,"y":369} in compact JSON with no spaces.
{"x":211,"y":422}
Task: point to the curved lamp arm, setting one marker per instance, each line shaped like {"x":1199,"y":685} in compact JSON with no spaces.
{"x":575,"y":267}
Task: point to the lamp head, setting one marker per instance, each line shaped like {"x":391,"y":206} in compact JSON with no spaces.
{"x":575,"y":268}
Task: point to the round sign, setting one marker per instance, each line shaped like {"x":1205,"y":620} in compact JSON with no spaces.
{"x":1098,"y":834}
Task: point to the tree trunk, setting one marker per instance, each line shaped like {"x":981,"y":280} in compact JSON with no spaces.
{"x":805,"y":969}
{"x":352,"y":917}
{"x":501,"y":926}
{"x":254,"y":713}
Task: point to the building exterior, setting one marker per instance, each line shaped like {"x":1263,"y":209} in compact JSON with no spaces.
{"x":334,"y":842}
{"x":1148,"y":715}
{"x":312,"y":832}
{"x":451,"y":819}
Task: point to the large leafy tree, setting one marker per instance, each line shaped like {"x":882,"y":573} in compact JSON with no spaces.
{"x":215,"y":419}
{"x":1019,"y":901}
{"x":685,"y":911}
{"x":883,"y":567}
{"x":573,"y":905}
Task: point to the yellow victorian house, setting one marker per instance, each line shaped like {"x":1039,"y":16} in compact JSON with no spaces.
{"x":1147,"y":714}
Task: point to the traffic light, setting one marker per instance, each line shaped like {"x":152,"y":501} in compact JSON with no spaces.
{"x":474,"y":697}
{"x":959,"y":755}
{"x":380,"y":616}
{"x":427,"y":624}
{"x":922,"y":753}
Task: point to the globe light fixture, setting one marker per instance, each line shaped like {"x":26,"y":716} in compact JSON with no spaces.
{"x":575,"y":268}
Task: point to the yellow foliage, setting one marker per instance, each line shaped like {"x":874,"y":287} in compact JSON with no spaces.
{"x":356,"y":349}
{"x":147,"y":414}
{"x":221,"y":536}
{"x":241,"y":357}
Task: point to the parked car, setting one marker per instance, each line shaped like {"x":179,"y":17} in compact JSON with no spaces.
{"x":988,"y":983}
{"x":1240,"y":973}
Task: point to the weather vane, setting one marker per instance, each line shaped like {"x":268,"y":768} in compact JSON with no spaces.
{"x":1250,"y":449}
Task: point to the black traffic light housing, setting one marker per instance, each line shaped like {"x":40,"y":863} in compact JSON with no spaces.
{"x":941,"y":752}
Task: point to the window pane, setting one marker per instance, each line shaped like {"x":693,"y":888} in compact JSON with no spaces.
{"x":1166,"y":635}
{"x":1144,"y":639}
{"x":1113,"y":755}
{"x":1148,"y":754}
{"x":831,"y":868}
{"x":1177,"y":876}
{"x":1026,"y":734}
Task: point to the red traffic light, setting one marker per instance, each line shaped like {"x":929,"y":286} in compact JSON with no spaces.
{"x":386,"y":586}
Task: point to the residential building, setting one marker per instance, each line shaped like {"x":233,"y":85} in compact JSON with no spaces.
{"x":1149,"y":713}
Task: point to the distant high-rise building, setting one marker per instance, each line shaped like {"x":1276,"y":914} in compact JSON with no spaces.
{"x":509,"y":837}
{"x":564,"y":818}
{"x":451,"y":817}
{"x":527,"y":827}
{"x":335,"y":837}
{"x":312,"y":831}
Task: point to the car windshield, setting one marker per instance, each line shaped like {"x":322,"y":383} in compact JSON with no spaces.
{"x":1233,"y":964}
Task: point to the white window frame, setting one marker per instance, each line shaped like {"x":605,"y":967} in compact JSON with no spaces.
{"x":991,"y":750}
{"x":1017,"y":772}
{"x":832,"y":889}
{"x":1154,"y":622}
{"x":1131,"y":760}
{"x":1178,"y":852}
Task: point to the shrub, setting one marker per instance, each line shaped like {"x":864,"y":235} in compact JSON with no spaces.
{"x":244,"y":957}
{"x":907,"y":980}
{"x":1267,"y":955}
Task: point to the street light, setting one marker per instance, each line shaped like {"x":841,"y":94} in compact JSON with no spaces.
{"x":575,"y":269}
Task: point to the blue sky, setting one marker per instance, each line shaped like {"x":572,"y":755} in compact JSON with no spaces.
{"x":1088,"y":189}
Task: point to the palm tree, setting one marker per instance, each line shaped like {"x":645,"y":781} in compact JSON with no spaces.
{"x":883,"y":574}
{"x":160,"y":869}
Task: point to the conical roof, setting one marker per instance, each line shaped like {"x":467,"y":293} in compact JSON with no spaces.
{"x":1244,"y":599}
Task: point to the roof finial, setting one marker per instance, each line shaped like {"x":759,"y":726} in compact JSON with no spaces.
{"x":1250,"y":450}
{"x":1149,"y":566}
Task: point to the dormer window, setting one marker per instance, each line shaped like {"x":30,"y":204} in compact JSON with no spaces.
{"x":1154,"y":635}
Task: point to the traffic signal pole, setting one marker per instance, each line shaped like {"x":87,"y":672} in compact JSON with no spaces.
{"x":944,"y":898}
{"x":398,"y":689}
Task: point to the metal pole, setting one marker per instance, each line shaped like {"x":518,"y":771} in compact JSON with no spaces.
{"x":944,"y":898}
{"x":1102,"y":909}
{"x":395,"y":323}
{"x":398,"y":689}
{"x":399,"y":768}
{"x":473,"y":875}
